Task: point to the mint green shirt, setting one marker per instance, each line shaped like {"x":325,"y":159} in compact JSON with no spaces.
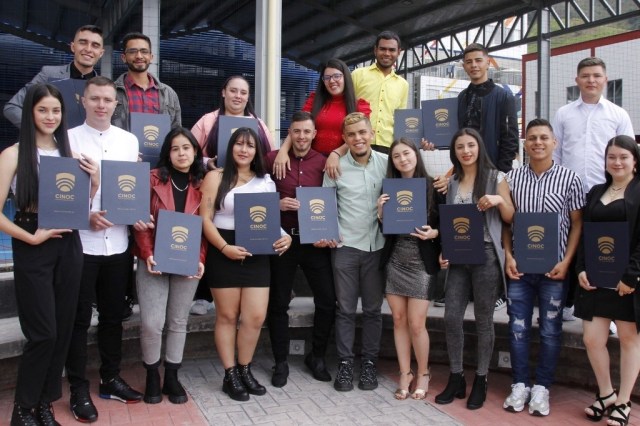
{"x":357,"y":192}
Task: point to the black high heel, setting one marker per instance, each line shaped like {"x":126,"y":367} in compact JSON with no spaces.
{"x":599,"y":408}
{"x":623,"y":417}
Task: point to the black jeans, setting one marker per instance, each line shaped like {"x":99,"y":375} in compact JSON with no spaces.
{"x":47,"y":282}
{"x":316,"y":265}
{"x":105,"y":280}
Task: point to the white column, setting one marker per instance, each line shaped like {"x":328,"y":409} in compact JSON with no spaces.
{"x":268,"y":55}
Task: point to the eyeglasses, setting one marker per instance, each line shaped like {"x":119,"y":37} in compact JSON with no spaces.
{"x":134,"y":52}
{"x":337,"y":77}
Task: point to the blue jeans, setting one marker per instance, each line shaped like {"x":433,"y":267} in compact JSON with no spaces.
{"x":521,"y":295}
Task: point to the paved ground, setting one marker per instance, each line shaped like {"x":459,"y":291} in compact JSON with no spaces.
{"x":304,"y":401}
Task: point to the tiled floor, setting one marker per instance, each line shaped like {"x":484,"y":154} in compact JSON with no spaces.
{"x":305,"y":401}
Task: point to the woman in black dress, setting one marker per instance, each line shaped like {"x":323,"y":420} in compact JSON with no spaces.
{"x":616,"y":200}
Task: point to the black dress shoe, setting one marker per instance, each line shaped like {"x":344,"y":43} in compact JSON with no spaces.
{"x":82,"y":407}
{"x":280,"y":374}
{"x":318,"y":367}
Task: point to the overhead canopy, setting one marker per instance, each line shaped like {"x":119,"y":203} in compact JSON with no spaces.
{"x":312,"y":30}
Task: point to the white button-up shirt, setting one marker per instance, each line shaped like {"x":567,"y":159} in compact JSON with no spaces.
{"x":582,"y":131}
{"x":112,"y":144}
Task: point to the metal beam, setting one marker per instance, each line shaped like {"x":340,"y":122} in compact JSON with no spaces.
{"x":446,"y":46}
{"x":89,"y":8}
{"x":115,"y":14}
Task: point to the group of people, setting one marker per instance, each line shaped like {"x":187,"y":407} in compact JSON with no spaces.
{"x":342,"y":139}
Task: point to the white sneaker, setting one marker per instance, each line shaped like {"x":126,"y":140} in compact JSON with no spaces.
{"x":539,"y":404}
{"x":613,"y":328}
{"x":501,"y":303}
{"x":519,"y":396}
{"x":567,"y":314}
{"x":200,"y":307}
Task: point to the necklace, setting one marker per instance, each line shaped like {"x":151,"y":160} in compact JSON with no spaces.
{"x":176,"y":187}
{"x":245,"y":180}
{"x":614,"y":193}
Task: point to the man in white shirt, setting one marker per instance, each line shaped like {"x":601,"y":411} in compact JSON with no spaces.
{"x":107,"y":260}
{"x":583,"y":128}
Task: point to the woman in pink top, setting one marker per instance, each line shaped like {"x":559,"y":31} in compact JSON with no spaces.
{"x":234,"y":101}
{"x":333,"y":99}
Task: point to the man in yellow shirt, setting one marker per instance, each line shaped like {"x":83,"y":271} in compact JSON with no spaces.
{"x":385,"y":90}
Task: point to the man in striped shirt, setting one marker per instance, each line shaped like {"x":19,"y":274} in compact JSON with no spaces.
{"x":540,"y":186}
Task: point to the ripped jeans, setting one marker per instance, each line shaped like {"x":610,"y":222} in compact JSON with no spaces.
{"x":521,"y":295}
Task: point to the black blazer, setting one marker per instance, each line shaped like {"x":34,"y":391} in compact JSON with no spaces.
{"x":631,"y":276}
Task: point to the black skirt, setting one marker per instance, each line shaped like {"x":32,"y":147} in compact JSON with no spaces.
{"x":222,"y":272}
{"x":604,"y":303}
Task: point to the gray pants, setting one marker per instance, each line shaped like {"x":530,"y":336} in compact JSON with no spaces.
{"x":356,"y":274}
{"x":163,"y":299}
{"x":485,"y":281}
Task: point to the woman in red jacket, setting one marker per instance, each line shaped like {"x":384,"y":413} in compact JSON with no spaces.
{"x":165,"y":299}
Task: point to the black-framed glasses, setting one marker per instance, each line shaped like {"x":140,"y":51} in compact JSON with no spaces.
{"x":134,"y":52}
{"x":337,"y":77}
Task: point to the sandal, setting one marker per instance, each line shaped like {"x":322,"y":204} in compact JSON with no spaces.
{"x":620,"y":414}
{"x":421,"y":392}
{"x":402,"y":394}
{"x":599,"y":408}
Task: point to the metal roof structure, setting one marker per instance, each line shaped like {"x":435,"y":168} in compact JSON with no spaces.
{"x":316,"y":30}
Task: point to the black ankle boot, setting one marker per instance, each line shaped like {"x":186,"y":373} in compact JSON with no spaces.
{"x":456,"y":388}
{"x":232,"y":385}
{"x":152,"y":392}
{"x":23,"y":416}
{"x":172,"y":387}
{"x":250,"y":382}
{"x":478,"y":393}
{"x":44,"y":414}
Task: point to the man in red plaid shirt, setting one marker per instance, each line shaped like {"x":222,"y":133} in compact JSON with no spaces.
{"x":138,"y":90}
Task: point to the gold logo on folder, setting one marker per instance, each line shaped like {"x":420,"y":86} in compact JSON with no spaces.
{"x":461,"y":225}
{"x":535,"y":233}
{"x":606,"y":244}
{"x":127,"y":183}
{"x":65,"y":181}
{"x":316,"y":205}
{"x":412,"y":122}
{"x":180,"y":234}
{"x":404,"y":198}
{"x":441,"y":115}
{"x":151,"y":132}
{"x":258,"y":214}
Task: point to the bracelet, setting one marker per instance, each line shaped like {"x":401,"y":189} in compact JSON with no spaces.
{"x":223,"y":247}
{"x":335,"y":152}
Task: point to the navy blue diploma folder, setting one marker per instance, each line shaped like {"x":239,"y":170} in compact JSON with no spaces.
{"x":440,"y":120}
{"x":606,"y":250}
{"x":257,"y":221}
{"x":63,"y":194}
{"x":462,"y":234}
{"x":226,"y":126}
{"x":72,"y":91}
{"x":125,"y":191}
{"x":318,"y":214}
{"x":407,"y":205}
{"x":177,"y":245}
{"x":150,"y":129}
{"x":535,"y":242}
{"x":407,"y":123}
